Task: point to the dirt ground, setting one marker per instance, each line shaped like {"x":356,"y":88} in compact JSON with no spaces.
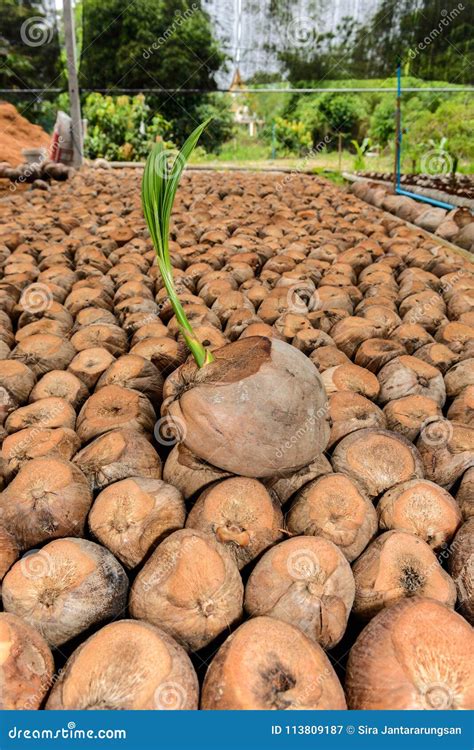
{"x":17,"y":133}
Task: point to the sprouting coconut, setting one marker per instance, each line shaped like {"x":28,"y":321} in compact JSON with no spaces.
{"x":256,"y":407}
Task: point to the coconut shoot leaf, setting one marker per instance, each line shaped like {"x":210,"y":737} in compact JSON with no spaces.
{"x":159,"y":185}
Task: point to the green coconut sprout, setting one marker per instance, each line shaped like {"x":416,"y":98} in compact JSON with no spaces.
{"x":159,"y":185}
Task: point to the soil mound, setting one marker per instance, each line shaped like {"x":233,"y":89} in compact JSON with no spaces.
{"x":16,"y":133}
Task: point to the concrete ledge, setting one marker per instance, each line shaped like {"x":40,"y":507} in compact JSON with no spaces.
{"x":437,"y":195}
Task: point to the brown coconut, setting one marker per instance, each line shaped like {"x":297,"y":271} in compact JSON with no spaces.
{"x":465,"y":494}
{"x":65,"y":588}
{"x":117,"y":455}
{"x":285,"y":487}
{"x":259,"y":408}
{"x":349,"y":377}
{"x":27,"y":665}
{"x":191,"y":587}
{"x":48,"y":498}
{"x":270,"y":664}
{"x":422,"y":508}
{"x":407,"y":415}
{"x":305,"y":581}
{"x":335,"y":508}
{"x":38,"y":442}
{"x":46,"y":413}
{"x":349,"y":412}
{"x":9,"y":552}
{"x":460,"y":556}
{"x":159,"y":674}
{"x":16,"y":379}
{"x":114,"y":407}
{"x":132,"y":516}
{"x":373,"y":354}
{"x":462,"y":408}
{"x":188,"y":473}
{"x":60,"y":384}
{"x":412,"y":656}
{"x":44,"y":352}
{"x":459,"y":377}
{"x":395,"y":566}
{"x":239,"y":514}
{"x":377,"y":459}
{"x":410,"y":376}
{"x":446,"y":449}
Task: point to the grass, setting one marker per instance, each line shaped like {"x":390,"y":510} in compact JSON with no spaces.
{"x":252,"y":153}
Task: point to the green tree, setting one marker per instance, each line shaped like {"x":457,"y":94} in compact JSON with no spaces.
{"x":151,"y":44}
{"x":217,"y":106}
{"x":29,"y":49}
{"x":436,"y":39}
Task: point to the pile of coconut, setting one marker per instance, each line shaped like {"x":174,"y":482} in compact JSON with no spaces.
{"x":456,"y":226}
{"x":284,"y":523}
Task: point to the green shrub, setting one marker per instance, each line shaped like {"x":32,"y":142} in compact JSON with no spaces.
{"x":382,"y":122}
{"x":291,"y":137}
{"x":121,"y":128}
{"x":221,"y":128}
{"x":453,"y":120}
{"x":325,"y":115}
{"x":360,"y":151}
{"x":342,"y":113}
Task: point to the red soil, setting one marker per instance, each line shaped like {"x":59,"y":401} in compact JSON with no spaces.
{"x":17,"y":133}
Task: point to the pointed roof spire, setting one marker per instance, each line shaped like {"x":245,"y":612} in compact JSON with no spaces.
{"x":237,"y":82}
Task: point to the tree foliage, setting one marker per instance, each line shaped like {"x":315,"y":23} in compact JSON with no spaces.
{"x":151,"y":44}
{"x":29,"y":48}
{"x":433,"y":38}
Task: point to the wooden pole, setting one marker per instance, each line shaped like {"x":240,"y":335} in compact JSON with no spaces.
{"x":339,"y":149}
{"x":398,"y":133}
{"x":73,"y":85}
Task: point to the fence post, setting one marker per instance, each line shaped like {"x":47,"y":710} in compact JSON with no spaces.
{"x":398,"y":130}
{"x":73,"y":85}
{"x":273,"y":141}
